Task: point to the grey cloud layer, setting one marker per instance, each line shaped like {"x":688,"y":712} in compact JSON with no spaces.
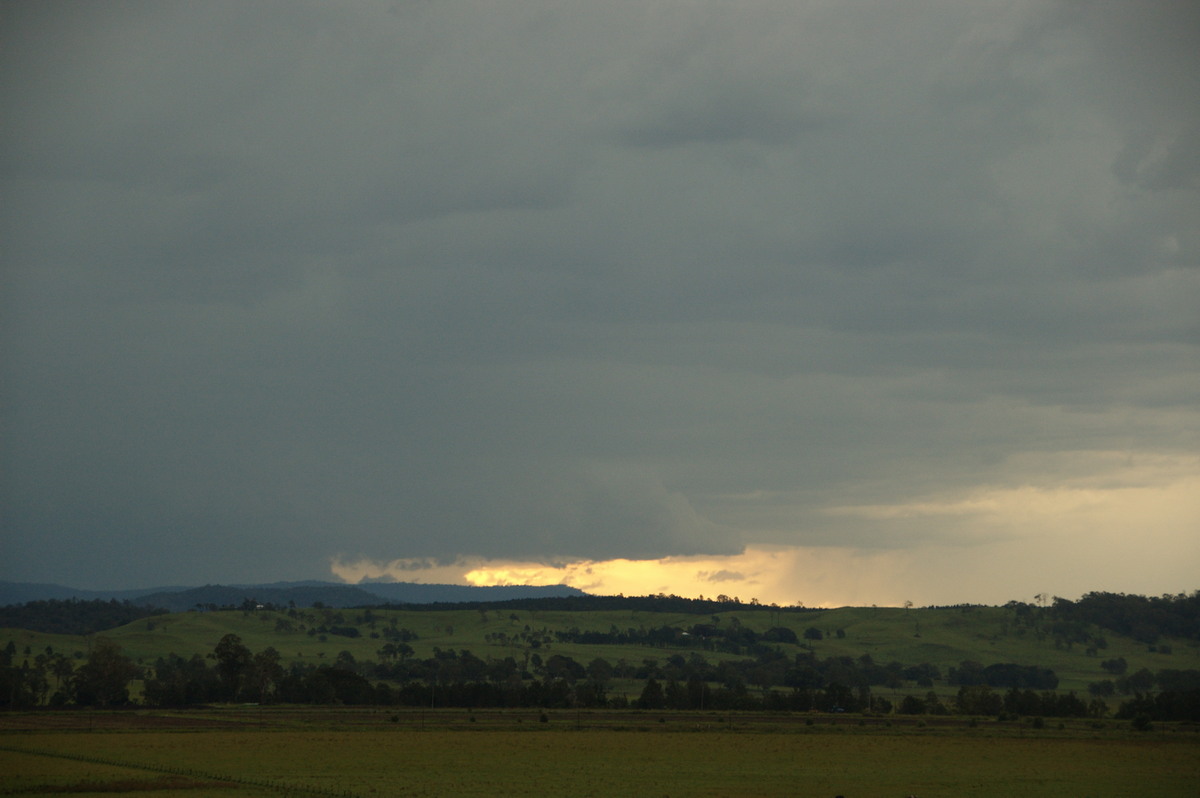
{"x":406,"y":280}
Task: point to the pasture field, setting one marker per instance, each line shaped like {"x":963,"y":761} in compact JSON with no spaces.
{"x":252,"y":752}
{"x":941,"y":636}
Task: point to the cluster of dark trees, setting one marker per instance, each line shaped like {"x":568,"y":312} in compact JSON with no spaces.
{"x":1167,"y":680}
{"x":1003,"y":674}
{"x":1144,"y":618}
{"x":1064,"y":632}
{"x":72,"y":616}
{"x":982,"y":700}
{"x":768,"y":668}
{"x":460,"y":679}
{"x":101,"y":680}
{"x":1168,"y":705}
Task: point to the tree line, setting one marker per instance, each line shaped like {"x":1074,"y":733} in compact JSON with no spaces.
{"x":72,"y":616}
{"x":655,"y":602}
{"x":1144,"y":618}
{"x":770,"y":681}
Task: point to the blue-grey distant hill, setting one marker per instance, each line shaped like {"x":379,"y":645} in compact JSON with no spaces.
{"x":302,"y":594}
{"x":21,"y":592}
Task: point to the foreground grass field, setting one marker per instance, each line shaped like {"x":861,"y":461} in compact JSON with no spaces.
{"x":252,"y":752}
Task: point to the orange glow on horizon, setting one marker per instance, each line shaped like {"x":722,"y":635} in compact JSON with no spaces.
{"x":973,"y":547}
{"x":759,"y":572}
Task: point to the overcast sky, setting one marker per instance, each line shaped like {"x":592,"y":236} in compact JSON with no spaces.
{"x":833,"y":302}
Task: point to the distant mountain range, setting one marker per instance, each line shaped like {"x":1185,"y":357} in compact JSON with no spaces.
{"x":303,"y":594}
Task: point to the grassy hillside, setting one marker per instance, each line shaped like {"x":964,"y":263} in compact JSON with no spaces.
{"x":941,"y":637}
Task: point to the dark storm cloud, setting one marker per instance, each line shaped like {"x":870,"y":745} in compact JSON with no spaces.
{"x":412,"y":280}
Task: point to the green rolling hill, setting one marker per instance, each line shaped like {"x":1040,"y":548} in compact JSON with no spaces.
{"x":635,"y":630}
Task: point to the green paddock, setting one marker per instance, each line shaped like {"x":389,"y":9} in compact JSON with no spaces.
{"x":351,"y":753}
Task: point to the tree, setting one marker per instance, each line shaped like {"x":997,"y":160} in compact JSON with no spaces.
{"x":328,"y":685}
{"x":62,"y":668}
{"x":104,"y":679}
{"x":599,"y":671}
{"x":21,"y":687}
{"x":1116,"y":666}
{"x":968,"y":672}
{"x":1139,"y":682}
{"x":652,"y":696}
{"x":266,"y":672}
{"x":978,"y":699}
{"x":233,"y":662}
{"x":780,"y":634}
{"x":563,"y":667}
{"x":675,"y":696}
{"x":181,"y":682}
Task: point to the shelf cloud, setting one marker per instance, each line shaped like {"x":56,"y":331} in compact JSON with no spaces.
{"x":856,"y":303}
